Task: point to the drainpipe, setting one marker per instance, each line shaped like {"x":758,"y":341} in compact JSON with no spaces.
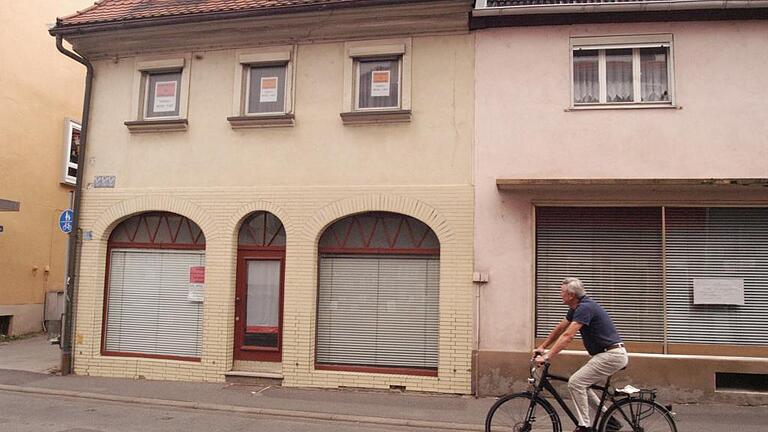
{"x":70,"y":297}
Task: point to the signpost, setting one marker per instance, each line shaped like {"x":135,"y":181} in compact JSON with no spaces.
{"x":65,"y":221}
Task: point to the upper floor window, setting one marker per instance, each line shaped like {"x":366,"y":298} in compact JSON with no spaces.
{"x":71,"y":152}
{"x":160,"y":94}
{"x":621,"y":73}
{"x":378,"y":83}
{"x":263,"y":88}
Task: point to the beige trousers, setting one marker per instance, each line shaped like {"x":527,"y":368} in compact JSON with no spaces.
{"x":596,"y":371}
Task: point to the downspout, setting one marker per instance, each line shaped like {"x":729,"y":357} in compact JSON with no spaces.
{"x":70,"y":297}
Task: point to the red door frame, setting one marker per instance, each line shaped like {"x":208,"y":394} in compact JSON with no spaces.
{"x":245,"y":254}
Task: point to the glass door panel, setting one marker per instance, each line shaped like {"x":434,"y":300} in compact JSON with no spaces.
{"x":262,"y":315}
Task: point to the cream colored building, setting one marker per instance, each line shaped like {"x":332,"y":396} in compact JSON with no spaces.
{"x":310,"y":169}
{"x":40,"y":101}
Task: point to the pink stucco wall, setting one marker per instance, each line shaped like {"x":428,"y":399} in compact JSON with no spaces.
{"x":524,"y":130}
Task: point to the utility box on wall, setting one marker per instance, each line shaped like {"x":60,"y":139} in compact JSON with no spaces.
{"x":54,"y":312}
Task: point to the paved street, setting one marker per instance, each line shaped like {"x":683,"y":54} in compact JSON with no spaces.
{"x":34,"y":354}
{"x":33,"y":413}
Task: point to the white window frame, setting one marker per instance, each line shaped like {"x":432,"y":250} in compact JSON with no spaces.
{"x":603,"y":43}
{"x":399,"y":59}
{"x":248,"y":58}
{"x":372,"y":50}
{"x":69,"y":127}
{"x":146,"y":66}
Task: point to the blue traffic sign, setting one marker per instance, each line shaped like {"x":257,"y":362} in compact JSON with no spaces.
{"x":65,"y":221}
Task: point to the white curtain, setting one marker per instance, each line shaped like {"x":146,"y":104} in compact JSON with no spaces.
{"x":263,"y":293}
{"x":653,"y":69}
{"x":618,"y":71}
{"x":586,"y":85}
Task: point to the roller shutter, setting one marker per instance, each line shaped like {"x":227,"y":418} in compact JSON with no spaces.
{"x":147,"y":307}
{"x":717,"y":243}
{"x":616,"y":252}
{"x":378,"y":311}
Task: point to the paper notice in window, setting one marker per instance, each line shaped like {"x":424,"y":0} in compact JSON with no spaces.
{"x":718,"y":291}
{"x":197,"y":274}
{"x":268,"y":88}
{"x":165,"y":96}
{"x":380,"y":84}
{"x":196,"y":293}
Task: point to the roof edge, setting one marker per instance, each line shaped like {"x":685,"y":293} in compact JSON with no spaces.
{"x":65,"y":30}
{"x":636,"y":6}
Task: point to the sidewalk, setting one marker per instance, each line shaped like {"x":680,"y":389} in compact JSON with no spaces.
{"x":430,"y":411}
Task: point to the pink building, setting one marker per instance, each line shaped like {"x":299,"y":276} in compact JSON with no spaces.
{"x":624,"y":143}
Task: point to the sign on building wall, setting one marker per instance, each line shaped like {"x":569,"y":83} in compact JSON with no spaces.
{"x":725,"y":291}
{"x":196,"y":284}
{"x":65,"y":221}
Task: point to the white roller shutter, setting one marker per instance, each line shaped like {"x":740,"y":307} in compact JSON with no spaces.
{"x":616,"y":252}
{"x":148,"y":311}
{"x":378,"y":311}
{"x":717,"y":243}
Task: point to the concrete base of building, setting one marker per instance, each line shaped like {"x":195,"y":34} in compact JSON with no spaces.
{"x":27,"y":318}
{"x":679,"y":379}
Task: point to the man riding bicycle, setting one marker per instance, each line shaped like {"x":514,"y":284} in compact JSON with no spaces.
{"x":600,"y":338}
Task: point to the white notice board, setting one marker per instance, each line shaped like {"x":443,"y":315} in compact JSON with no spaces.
{"x":718,"y":291}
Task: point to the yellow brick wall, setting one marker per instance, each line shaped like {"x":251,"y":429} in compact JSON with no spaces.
{"x":305,"y":212}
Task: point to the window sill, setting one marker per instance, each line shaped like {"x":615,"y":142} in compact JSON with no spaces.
{"x":622,"y":106}
{"x":261,"y":121}
{"x":376,"y":117}
{"x":146,"y":126}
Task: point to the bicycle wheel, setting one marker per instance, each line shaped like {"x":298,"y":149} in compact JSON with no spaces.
{"x":637,"y":415}
{"x":520,"y":412}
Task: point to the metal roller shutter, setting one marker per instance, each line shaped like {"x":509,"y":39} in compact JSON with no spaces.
{"x":616,"y":252}
{"x":717,"y":243}
{"x":147,"y":310}
{"x":378,"y":311}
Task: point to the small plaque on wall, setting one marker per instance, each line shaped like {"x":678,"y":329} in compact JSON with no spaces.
{"x":718,"y":291}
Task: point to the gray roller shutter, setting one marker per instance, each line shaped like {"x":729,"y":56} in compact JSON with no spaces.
{"x":717,"y":243}
{"x":147,"y":307}
{"x":616,"y":252}
{"x":378,"y":311}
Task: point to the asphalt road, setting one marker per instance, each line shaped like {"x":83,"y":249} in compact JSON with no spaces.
{"x":36,"y":413}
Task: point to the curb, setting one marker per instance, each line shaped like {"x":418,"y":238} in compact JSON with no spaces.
{"x":247,"y":410}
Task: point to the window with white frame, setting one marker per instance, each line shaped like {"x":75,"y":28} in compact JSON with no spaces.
{"x":377,"y":83}
{"x":71,"y":152}
{"x":621,"y":74}
{"x":263,"y":93}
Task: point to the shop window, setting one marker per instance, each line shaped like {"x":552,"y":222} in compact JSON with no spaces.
{"x":378,"y":295}
{"x":684,"y":280}
{"x":155,"y":288}
{"x":259,"y":291}
{"x":622,"y":71}
{"x":263,"y":88}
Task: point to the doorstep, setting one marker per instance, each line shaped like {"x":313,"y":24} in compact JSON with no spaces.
{"x":254,"y":378}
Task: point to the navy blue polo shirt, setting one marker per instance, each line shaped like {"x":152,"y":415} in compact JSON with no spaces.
{"x":597,"y":330}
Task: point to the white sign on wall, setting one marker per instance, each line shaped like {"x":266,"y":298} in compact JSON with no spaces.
{"x":718,"y":291}
{"x":196,"y":291}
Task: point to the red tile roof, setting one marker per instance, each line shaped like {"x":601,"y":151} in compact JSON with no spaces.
{"x":106,"y":11}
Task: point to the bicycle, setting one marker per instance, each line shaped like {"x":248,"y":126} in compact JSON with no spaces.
{"x":630,"y":409}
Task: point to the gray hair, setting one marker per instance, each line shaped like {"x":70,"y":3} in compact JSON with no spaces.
{"x":574,"y":286}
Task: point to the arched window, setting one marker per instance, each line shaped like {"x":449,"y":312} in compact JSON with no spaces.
{"x":155,"y":286}
{"x":379,"y":281}
{"x":259,"y":290}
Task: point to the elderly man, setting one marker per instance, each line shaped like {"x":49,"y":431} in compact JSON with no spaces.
{"x":600,"y":338}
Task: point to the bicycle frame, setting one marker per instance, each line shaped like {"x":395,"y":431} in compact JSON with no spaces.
{"x":545,"y":384}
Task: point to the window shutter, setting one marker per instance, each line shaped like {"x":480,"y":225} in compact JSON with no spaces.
{"x":148,"y":311}
{"x":717,"y":243}
{"x":616,"y":252}
{"x":378,"y":311}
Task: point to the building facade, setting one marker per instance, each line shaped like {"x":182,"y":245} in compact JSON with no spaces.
{"x":278,"y":192}
{"x":624,"y":145}
{"x":42,"y":95}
